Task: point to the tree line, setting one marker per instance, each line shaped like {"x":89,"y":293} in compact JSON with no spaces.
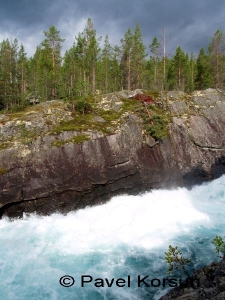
{"x":86,"y":67}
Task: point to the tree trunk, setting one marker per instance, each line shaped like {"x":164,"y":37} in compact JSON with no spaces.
{"x":128,"y":75}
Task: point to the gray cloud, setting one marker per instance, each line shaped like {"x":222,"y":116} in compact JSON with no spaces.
{"x":189,"y":24}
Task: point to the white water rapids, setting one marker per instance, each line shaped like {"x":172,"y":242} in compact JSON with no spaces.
{"x":125,"y":237}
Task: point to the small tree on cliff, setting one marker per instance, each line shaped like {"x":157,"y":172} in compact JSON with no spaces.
{"x":175,"y":260}
{"x":220,"y":246}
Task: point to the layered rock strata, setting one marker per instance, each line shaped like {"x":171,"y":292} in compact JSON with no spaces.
{"x":37,"y":176}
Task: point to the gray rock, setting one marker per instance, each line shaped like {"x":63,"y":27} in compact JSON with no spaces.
{"x":98,"y":119}
{"x":113,"y":101}
{"x":3,"y":118}
{"x":172,"y":95}
{"x":47,"y":179}
{"x":151,"y":142}
{"x":210,"y":284}
{"x":178,"y":107}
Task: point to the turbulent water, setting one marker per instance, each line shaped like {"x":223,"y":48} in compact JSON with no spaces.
{"x":108,"y":250}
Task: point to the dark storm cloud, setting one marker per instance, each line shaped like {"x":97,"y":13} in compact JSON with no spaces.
{"x":22,"y":13}
{"x":189,"y":24}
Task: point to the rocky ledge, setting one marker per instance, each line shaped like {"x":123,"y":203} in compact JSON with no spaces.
{"x":208,"y":283}
{"x":45,"y":168}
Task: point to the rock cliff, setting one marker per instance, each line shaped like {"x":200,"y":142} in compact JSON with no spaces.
{"x":44,"y":169}
{"x":208,"y":283}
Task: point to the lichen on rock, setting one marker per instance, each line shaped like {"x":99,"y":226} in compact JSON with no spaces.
{"x":60,"y":160}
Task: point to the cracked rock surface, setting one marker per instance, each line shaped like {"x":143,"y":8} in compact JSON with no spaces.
{"x":36,"y":176}
{"x":209,"y":284}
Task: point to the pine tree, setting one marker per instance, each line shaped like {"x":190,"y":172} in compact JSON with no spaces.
{"x":180,"y":65}
{"x":8,"y":66}
{"x":82,"y":82}
{"x":203,"y":77}
{"x":105,"y":66}
{"x":171,"y":77}
{"x":137,"y":58}
{"x":132,"y":59}
{"x":69,"y":73}
{"x":192,"y":73}
{"x":53,"y":42}
{"x":42,"y":74}
{"x":22,"y":71}
{"x":155,"y":49}
{"x":116,"y":71}
{"x":216,"y":51}
{"x":127,"y":45}
{"x":92,"y":52}
{"x":5,"y":67}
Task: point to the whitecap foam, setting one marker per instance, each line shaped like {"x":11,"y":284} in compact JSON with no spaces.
{"x":129,"y":234}
{"x":146,"y":221}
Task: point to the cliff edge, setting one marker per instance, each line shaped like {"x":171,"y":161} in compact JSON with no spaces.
{"x":209,"y":283}
{"x":54,"y":160}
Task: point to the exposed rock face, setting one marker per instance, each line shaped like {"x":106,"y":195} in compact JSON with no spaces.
{"x":208,"y":283}
{"x":37,"y":176}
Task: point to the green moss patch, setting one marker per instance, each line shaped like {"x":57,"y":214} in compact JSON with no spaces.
{"x":157,"y":127}
{"x":131,"y":105}
{"x":153,"y":94}
{"x":84,"y":122}
{"x":4,"y":145}
{"x":80,"y":138}
{"x":27,"y":136}
{"x":2,"y":171}
{"x":76,"y":139}
{"x":154,"y":118}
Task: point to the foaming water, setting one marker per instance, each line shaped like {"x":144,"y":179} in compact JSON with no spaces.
{"x":125,"y":237}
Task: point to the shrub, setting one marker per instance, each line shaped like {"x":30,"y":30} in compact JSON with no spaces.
{"x":220,"y":245}
{"x":175,"y":260}
{"x":83,"y":106}
{"x":158,"y":128}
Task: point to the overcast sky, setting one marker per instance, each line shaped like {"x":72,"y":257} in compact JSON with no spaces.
{"x":188,"y":23}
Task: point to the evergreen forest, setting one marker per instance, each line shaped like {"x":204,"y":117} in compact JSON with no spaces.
{"x":86,"y":68}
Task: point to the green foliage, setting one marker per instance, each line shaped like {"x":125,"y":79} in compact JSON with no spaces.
{"x":156,"y":124}
{"x":132,"y":58}
{"x":80,"y":138}
{"x":158,"y":127}
{"x":131,"y":105}
{"x":216,"y":56}
{"x":85,"y":68}
{"x":76,"y":139}
{"x":219,"y":244}
{"x":84,"y":122}
{"x":153,"y":93}
{"x":4,"y":145}
{"x":175,"y":260}
{"x":204,"y":75}
{"x":180,"y":63}
{"x":83,"y":106}
{"x":107,"y":68}
{"x":58,"y":143}
{"x":155,"y":49}
{"x":27,"y":136}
